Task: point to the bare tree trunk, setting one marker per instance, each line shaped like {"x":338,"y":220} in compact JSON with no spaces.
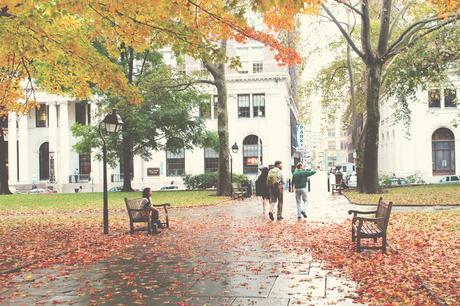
{"x":4,"y":188}
{"x":218,"y":73}
{"x":127,"y":158}
{"x":127,"y":140}
{"x":224,"y":181}
{"x":371,"y":138}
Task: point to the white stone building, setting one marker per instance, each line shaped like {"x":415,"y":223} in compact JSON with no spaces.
{"x":432,"y":148}
{"x":260,"y":111}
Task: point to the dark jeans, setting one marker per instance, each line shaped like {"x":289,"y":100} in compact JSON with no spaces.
{"x":155,"y":217}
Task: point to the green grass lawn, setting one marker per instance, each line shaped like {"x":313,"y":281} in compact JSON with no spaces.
{"x":88,"y":201}
{"x":412,"y":195}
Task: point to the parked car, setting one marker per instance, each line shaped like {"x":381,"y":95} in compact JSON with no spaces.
{"x":169,"y":188}
{"x":450,"y":179}
{"x":352,"y":180}
{"x":116,"y":189}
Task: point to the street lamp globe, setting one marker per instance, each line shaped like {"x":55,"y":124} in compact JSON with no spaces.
{"x":235,"y":148}
{"x":112,"y":123}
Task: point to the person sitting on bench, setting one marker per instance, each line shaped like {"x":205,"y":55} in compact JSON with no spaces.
{"x":147,"y":204}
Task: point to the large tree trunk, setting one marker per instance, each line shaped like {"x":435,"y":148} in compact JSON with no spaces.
{"x":127,"y":156}
{"x":218,"y":73}
{"x":127,"y":140}
{"x":4,"y":188}
{"x":224,"y":182}
{"x":370,"y":183}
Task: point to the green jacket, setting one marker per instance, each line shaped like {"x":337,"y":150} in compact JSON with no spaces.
{"x":299,"y":178}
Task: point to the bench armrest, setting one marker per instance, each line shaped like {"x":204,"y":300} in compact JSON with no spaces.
{"x":355,"y":212}
{"x":162,"y":205}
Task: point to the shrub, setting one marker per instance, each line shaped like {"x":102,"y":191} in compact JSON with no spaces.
{"x":415,"y":178}
{"x":209,"y":180}
{"x":201,"y":181}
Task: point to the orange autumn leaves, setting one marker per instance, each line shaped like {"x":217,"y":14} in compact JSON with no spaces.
{"x":53,"y":43}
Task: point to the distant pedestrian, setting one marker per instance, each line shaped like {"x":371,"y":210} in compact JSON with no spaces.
{"x":275,"y":184}
{"x":76,"y":173}
{"x":261,"y":187}
{"x":299,"y":181}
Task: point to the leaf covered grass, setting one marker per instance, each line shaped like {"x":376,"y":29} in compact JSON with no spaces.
{"x":77,"y":202}
{"x":412,"y":195}
{"x":420,"y":267}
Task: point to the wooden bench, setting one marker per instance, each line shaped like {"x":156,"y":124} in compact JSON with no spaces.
{"x":137,"y":214}
{"x":371,"y":228}
{"x":238,"y":192}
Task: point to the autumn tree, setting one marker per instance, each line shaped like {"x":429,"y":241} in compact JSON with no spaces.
{"x":425,"y":59}
{"x":387,"y":29}
{"x":52,"y":42}
{"x":169,"y":112}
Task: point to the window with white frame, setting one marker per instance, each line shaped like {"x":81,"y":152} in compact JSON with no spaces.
{"x":41,"y":116}
{"x":252,"y":154}
{"x":331,"y":132}
{"x":450,"y":97}
{"x":258,"y":105}
{"x":434,"y":98}
{"x":175,"y":162}
{"x":257,"y":67}
{"x":211,"y":160}
{"x":244,"y":106}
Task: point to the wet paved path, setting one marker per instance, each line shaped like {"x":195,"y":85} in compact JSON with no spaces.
{"x":222,"y":255}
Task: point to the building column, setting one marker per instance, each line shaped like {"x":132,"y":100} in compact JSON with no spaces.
{"x":25,"y":174}
{"x":53,"y":138}
{"x":64,"y":143}
{"x":12,"y":149}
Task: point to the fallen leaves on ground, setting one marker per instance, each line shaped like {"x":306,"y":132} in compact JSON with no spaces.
{"x":447,"y":194}
{"x":420,"y":267}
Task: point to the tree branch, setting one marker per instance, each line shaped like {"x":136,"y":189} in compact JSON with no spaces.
{"x":414,"y":38}
{"x":344,"y":32}
{"x":384,"y":28}
{"x":366,"y":31}
{"x":412,"y":30}
{"x":350,"y":6}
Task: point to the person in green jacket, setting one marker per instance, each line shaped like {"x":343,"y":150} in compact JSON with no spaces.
{"x":299,"y":181}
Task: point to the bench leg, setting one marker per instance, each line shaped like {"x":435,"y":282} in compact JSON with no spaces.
{"x":384,"y":244}
{"x":353,"y":234}
{"x":358,"y":244}
{"x":131,"y":227}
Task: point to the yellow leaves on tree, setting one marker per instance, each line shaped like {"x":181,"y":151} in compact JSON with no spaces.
{"x":447,"y":6}
{"x":70,"y":47}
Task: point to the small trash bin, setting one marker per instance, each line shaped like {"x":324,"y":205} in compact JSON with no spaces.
{"x":248,"y":186}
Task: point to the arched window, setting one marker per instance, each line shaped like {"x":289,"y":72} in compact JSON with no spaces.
{"x":44,"y":161}
{"x":175,"y":160}
{"x":252,"y":154}
{"x":443,"y":149}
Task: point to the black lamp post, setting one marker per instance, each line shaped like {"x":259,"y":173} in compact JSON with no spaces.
{"x":112,"y":123}
{"x":52,"y":179}
{"x":234,"y":150}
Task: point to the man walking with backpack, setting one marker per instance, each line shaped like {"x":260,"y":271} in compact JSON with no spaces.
{"x":275,"y":184}
{"x":299,"y":180}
